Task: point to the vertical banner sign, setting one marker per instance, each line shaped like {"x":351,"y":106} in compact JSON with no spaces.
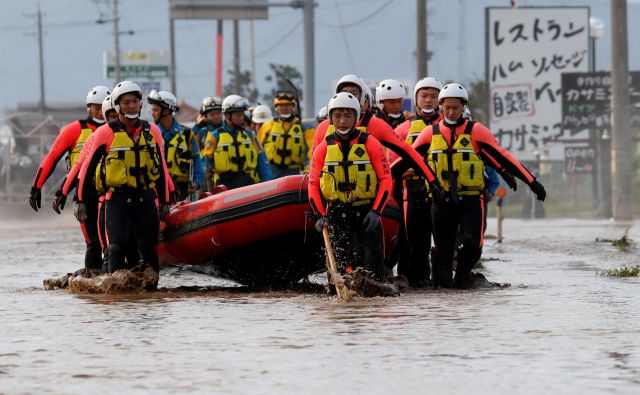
{"x":528,"y":49}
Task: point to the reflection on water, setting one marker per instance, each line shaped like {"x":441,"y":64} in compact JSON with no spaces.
{"x":560,"y":328}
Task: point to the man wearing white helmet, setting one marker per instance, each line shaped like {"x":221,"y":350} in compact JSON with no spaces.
{"x":287,"y":141}
{"x":210,"y":118}
{"x":374,"y":126}
{"x":127,"y":161}
{"x":349,"y":185}
{"x":181,"y":149}
{"x":459,"y":149}
{"x":389,"y":96}
{"x":70,"y":182}
{"x":415,"y":236}
{"x":233,"y":153}
{"x":259,"y":116}
{"x":70,"y":141}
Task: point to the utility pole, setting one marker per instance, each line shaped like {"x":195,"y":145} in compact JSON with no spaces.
{"x":309,"y":57}
{"x":116,"y":33}
{"x":621,"y":147}
{"x":218,"y":60}
{"x":41,"y":61}
{"x":236,"y":58}
{"x":172,"y":51}
{"x":421,"y":39}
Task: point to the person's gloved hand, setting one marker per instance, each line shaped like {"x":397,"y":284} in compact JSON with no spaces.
{"x":509,"y":179}
{"x":163,"y":211}
{"x":538,"y":189}
{"x":35,"y":198}
{"x":193,"y":187}
{"x":436,"y":189}
{"x":59,"y":201}
{"x":80,"y":212}
{"x":371,"y":221}
{"x":320,"y":224}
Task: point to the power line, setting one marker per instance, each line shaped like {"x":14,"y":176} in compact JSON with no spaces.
{"x":365,"y":19}
{"x":345,"y":37}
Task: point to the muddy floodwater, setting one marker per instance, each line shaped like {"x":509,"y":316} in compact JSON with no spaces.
{"x":560,"y":328}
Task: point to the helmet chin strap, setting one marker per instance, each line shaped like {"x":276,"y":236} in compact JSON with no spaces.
{"x":427,"y":111}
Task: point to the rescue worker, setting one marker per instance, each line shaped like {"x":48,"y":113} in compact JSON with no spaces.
{"x":210,"y":118}
{"x":322,"y":114}
{"x":180,"y":144}
{"x":260,"y":115}
{"x":416,"y":232}
{"x":374,"y":126}
{"x":458,"y":149}
{"x":350,"y":173}
{"x":233,"y":152}
{"x":287,"y":142}
{"x":70,"y":182}
{"x":133,"y":173}
{"x":70,"y":141}
{"x":389,"y":96}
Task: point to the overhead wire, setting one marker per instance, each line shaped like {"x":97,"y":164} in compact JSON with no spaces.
{"x":359,"y":21}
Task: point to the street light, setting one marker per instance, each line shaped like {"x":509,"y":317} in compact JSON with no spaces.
{"x":596,"y":30}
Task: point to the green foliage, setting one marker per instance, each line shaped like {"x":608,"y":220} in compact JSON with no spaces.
{"x":623,"y":243}
{"x":246,"y":86}
{"x":625,"y":271}
{"x":279,"y":74}
{"x":479,"y":100}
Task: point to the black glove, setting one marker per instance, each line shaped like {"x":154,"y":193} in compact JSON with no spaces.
{"x":320,"y":224}
{"x":80,"y":212}
{"x":59,"y":201}
{"x":538,"y":189}
{"x":371,"y":221}
{"x":163,"y":211}
{"x":35,"y":198}
{"x":436,"y":189}
{"x":509,"y":179}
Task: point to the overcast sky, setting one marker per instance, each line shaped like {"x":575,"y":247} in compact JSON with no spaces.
{"x":373,"y":38}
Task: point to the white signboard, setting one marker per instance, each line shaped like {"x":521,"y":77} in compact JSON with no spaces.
{"x":138,"y":64}
{"x":527,"y":51}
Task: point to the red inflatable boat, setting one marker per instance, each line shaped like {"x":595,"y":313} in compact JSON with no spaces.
{"x":260,"y":235}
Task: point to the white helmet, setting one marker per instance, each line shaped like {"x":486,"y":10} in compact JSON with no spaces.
{"x":368,"y":95}
{"x":322,"y":114}
{"x":466,"y":114}
{"x":453,"y":90}
{"x":210,"y":103}
{"x":428,"y":82}
{"x":344,"y":100}
{"x":107,"y":105}
{"x":164,"y":99}
{"x":389,"y":89}
{"x":261,"y":114}
{"x":352,"y":79}
{"x":121,"y":89}
{"x":97,"y":94}
{"x":234,"y":103}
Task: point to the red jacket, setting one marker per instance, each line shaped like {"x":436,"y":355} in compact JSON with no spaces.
{"x":403,"y":130}
{"x":100,"y":145}
{"x":483,"y":142}
{"x":379,"y":129}
{"x":64,"y":143}
{"x":379,"y":163}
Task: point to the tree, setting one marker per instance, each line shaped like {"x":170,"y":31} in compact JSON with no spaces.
{"x":282,"y":72}
{"x":479,"y":101}
{"x":246,"y":86}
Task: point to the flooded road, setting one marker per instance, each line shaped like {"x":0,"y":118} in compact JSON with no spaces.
{"x":561,"y":327}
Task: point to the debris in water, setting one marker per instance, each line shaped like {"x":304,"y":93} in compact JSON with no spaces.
{"x":63,"y":282}
{"x":623,"y":243}
{"x":625,"y":271}
{"x":477,"y":280}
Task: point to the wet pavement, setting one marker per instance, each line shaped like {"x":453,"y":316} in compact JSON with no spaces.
{"x":561,"y":327}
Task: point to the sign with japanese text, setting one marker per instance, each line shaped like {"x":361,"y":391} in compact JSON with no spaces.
{"x":579,"y":160}
{"x":138,"y":64}
{"x":586,"y":100}
{"x":527,"y":51}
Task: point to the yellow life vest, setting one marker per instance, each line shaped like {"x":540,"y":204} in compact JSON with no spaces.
{"x":235,"y":155}
{"x":460,"y":162}
{"x":286,"y":147}
{"x":128,"y":163}
{"x":351,"y":179}
{"x":75,"y":152}
{"x":178,"y":155}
